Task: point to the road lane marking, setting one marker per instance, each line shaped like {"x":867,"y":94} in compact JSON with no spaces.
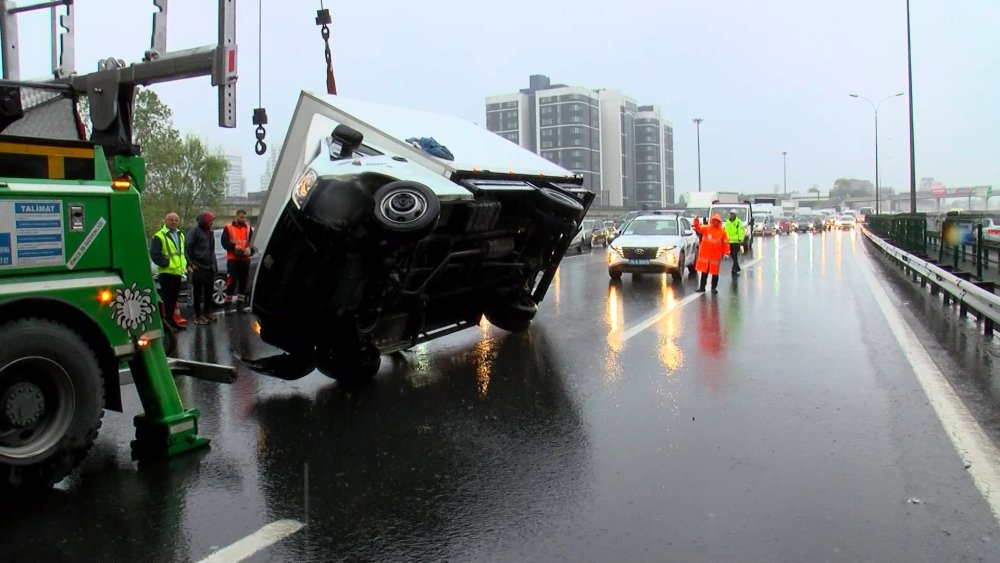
{"x":257,"y":541}
{"x":980,"y":455}
{"x":655,"y":317}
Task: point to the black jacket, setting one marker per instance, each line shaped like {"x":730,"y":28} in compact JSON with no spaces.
{"x":200,"y":246}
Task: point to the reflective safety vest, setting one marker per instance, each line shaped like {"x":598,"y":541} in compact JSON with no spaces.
{"x":178,"y":263}
{"x":239,"y":236}
{"x":734,"y":230}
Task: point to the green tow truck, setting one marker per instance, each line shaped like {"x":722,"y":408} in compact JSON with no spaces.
{"x":78,"y":301}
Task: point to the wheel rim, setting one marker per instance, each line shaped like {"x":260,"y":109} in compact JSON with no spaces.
{"x":404,"y":206}
{"x":219,"y":291}
{"x":37,"y":405}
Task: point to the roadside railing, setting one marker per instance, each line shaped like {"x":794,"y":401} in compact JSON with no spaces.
{"x":907,"y":231}
{"x":971,"y":293}
{"x":983,"y":254}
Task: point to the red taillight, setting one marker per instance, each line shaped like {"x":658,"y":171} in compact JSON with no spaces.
{"x":993,"y":231}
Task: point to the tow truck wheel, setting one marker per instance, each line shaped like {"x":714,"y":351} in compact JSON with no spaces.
{"x":351,"y":368}
{"x":51,"y":402}
{"x":513,"y":316}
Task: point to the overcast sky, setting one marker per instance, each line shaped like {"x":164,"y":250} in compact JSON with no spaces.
{"x":766,"y":75}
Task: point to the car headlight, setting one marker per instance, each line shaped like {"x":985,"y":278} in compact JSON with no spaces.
{"x":305,"y":185}
{"x":617,"y":249}
{"x":664,"y":249}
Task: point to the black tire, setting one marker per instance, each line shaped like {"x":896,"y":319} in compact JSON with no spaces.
{"x":169,"y":340}
{"x":406,"y":207}
{"x":615,"y":274}
{"x":678,"y":274}
{"x":51,"y":402}
{"x":513,"y":316}
{"x":557,"y":202}
{"x":353,"y":368}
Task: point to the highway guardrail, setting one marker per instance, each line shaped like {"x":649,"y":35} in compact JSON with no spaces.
{"x":970,"y":294}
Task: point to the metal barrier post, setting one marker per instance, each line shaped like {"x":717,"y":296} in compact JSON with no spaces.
{"x":979,"y":251}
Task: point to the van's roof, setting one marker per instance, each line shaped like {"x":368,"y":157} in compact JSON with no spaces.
{"x":475,"y":148}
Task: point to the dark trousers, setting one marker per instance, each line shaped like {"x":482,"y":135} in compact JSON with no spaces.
{"x":170,"y":289}
{"x":734,"y":253}
{"x":704,"y":280}
{"x":239,"y":277}
{"x":201,"y":285}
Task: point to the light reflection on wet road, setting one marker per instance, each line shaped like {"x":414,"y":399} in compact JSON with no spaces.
{"x":635,"y":421}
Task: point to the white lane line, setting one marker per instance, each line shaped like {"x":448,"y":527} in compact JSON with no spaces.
{"x":257,"y":541}
{"x":978,"y":452}
{"x":655,"y":317}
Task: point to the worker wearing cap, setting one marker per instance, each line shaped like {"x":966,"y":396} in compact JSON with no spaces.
{"x":735,"y":234}
{"x":200,"y":249}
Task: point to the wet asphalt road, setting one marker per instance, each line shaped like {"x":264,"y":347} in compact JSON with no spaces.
{"x":635,"y":421}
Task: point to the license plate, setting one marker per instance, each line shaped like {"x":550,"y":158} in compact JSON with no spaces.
{"x":638,"y":261}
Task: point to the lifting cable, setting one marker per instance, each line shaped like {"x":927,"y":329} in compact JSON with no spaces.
{"x":259,"y":113}
{"x":323,"y":19}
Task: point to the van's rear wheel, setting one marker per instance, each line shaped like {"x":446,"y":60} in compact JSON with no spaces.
{"x":513,"y":316}
{"x":353,"y":367}
{"x":51,"y":402}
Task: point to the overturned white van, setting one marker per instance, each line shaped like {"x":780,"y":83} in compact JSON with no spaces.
{"x":371,"y":245}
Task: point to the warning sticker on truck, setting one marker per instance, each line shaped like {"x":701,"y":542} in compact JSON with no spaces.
{"x":31,"y":234}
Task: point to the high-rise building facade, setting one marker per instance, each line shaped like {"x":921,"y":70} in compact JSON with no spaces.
{"x":272,"y":160}
{"x":236,"y":183}
{"x":595,"y":133}
{"x":654,"y":164}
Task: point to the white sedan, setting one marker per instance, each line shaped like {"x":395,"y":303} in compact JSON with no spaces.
{"x":654,"y":244}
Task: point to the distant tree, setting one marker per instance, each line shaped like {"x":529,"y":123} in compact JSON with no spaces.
{"x":182,"y":174}
{"x":841,"y":189}
{"x":194,"y":178}
{"x":814,"y":190}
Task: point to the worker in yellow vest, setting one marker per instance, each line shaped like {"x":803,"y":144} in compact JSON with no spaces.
{"x":735,"y":233}
{"x":167,"y":251}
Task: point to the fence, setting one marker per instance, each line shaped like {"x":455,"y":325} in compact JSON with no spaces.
{"x":970,"y":292}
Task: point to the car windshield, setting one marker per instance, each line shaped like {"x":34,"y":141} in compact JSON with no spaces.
{"x":652,"y":227}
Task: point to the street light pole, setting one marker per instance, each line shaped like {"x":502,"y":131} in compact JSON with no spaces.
{"x":878,"y":197}
{"x":909,"y":72}
{"x":697,"y":126}
{"x":784,"y":170}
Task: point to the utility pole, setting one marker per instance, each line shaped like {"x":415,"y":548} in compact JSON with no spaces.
{"x":909,"y":71}
{"x":878,"y":195}
{"x":784,"y":170}
{"x":697,"y":126}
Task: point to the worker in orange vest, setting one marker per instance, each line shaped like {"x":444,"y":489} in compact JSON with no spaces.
{"x":714,"y":245}
{"x":236,"y":241}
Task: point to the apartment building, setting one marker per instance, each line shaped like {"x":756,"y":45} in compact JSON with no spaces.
{"x":594,"y":133}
